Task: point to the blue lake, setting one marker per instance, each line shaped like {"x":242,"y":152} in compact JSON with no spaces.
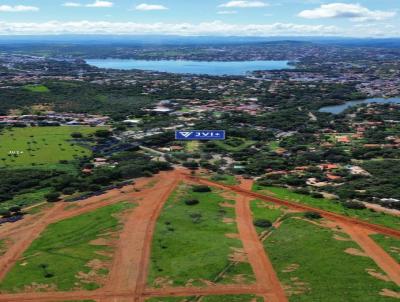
{"x":191,"y":67}
{"x":336,"y":109}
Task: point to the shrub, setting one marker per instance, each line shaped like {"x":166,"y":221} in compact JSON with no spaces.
{"x":356,"y":205}
{"x":317,"y":195}
{"x":201,"y":189}
{"x":263,"y":223}
{"x":76,"y":135}
{"x":303,"y":191}
{"x":312,"y":215}
{"x":68,"y":191}
{"x":191,"y":202}
{"x":5,"y":213}
{"x":191,"y":165}
{"x":103,"y":133}
{"x":15,"y":209}
{"x":265,"y":182}
{"x":52,"y":196}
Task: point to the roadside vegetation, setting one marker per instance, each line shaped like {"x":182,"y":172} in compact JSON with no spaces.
{"x":225,"y":179}
{"x":331,"y":205}
{"x":312,"y":264}
{"x":66,"y":257}
{"x":191,"y":244}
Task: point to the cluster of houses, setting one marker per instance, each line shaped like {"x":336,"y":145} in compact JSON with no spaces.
{"x":54,"y":119}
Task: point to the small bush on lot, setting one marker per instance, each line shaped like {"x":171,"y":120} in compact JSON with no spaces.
{"x":356,"y":205}
{"x":263,"y":223}
{"x":317,"y":195}
{"x":303,"y":191}
{"x":201,"y":189}
{"x":191,"y":202}
{"x":312,"y":215}
{"x":52,"y":196}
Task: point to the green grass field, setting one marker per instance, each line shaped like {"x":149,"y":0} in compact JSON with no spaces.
{"x":390,"y":244}
{"x":313,"y":267}
{"x":40,"y":146}
{"x":64,"y":250}
{"x":231,"y":144}
{"x":225,"y":179}
{"x":192,"y":146}
{"x":332,"y":206}
{"x":37,"y":88}
{"x":190,"y":243}
{"x":227,"y":298}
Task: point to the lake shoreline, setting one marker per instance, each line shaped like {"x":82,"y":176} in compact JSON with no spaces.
{"x":340,"y":108}
{"x":213,"y":68}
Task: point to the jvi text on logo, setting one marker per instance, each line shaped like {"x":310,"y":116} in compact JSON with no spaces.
{"x":200,"y":135}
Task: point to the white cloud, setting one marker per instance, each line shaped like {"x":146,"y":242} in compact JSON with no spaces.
{"x":205,"y":28}
{"x":244,"y":4}
{"x":18,"y":8}
{"x":354,"y":12}
{"x":227,"y":12}
{"x":72,"y":4}
{"x":100,"y":3}
{"x":149,"y":7}
{"x":216,"y":28}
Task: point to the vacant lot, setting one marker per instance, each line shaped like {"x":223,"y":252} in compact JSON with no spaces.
{"x":227,"y":298}
{"x":262,"y":210}
{"x":390,"y":244}
{"x":235,"y":144}
{"x":225,"y":179}
{"x":193,"y":244}
{"x":37,"y":88}
{"x":315,"y":263}
{"x":332,"y":206}
{"x":40,"y":146}
{"x":69,"y":255}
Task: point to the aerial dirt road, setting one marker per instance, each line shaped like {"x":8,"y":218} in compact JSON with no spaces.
{"x":266,"y":277}
{"x":24,"y":240}
{"x":130,"y":265}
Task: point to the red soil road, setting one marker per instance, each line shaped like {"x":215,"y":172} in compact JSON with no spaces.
{"x":301,"y":207}
{"x":23,"y":236}
{"x":266,"y":277}
{"x":203,"y":291}
{"x":24,"y":241}
{"x":374,"y":251}
{"x":128,"y":296}
{"x":26,"y":223}
{"x":130,"y":265}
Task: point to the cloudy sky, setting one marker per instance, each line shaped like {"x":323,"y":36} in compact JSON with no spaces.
{"x":360,"y":18}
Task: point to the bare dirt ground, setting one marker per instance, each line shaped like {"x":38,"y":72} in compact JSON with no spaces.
{"x":266,"y":277}
{"x":126,"y":281}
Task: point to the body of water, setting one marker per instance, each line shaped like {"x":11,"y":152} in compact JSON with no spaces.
{"x":191,"y":67}
{"x":336,"y":109}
